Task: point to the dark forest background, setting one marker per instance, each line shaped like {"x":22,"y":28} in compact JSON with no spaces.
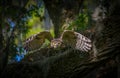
{"x":99,"y":20}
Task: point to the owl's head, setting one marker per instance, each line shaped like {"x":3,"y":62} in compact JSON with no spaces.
{"x":56,"y":43}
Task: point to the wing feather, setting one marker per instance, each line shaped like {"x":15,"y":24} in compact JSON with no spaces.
{"x":83,"y":42}
{"x":37,"y":40}
{"x":76,"y":40}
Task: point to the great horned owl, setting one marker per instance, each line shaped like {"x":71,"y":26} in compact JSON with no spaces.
{"x":37,"y":40}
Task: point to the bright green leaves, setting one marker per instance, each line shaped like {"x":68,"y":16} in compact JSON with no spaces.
{"x":81,"y":23}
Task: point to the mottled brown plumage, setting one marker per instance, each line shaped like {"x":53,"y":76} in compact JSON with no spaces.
{"x":68,"y":38}
{"x":37,"y":40}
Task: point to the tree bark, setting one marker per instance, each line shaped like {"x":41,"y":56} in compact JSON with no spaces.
{"x":60,"y":10}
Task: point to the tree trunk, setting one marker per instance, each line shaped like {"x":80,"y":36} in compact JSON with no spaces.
{"x":1,"y":40}
{"x":60,"y":10}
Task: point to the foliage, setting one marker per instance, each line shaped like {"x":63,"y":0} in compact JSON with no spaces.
{"x":80,"y":24}
{"x":34,"y":21}
{"x":19,"y":20}
{"x":46,"y":44}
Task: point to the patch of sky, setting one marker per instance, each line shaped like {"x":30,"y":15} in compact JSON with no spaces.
{"x":12,"y":24}
{"x":21,"y":52}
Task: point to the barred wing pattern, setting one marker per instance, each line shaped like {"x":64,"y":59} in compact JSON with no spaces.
{"x":76,"y":40}
{"x":83,"y":43}
{"x":36,"y":41}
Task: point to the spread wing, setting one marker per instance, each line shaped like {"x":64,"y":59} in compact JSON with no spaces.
{"x":76,"y":40}
{"x":36,"y":41}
